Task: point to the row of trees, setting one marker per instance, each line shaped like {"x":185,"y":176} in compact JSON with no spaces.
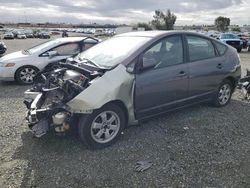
{"x":166,"y":20}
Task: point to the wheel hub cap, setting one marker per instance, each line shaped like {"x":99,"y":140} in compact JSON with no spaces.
{"x":105,"y":127}
{"x":224,"y":94}
{"x":27,"y":75}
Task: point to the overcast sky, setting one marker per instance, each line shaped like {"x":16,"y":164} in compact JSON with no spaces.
{"x":123,"y":11}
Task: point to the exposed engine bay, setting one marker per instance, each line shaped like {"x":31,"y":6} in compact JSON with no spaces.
{"x":47,"y":99}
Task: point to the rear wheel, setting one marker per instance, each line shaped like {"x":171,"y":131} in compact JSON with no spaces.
{"x":26,"y":74}
{"x":224,"y":93}
{"x":103,"y":127}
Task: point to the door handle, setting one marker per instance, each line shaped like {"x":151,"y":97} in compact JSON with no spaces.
{"x":219,"y":66}
{"x":181,"y":74}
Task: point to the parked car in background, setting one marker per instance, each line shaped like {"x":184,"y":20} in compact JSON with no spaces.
{"x":21,"y":35}
{"x":232,"y":40}
{"x":22,"y":66}
{"x":245,"y":38}
{"x":129,"y":78}
{"x":43,"y":35}
{"x":3,"y":48}
{"x":8,"y":35}
{"x":29,"y":33}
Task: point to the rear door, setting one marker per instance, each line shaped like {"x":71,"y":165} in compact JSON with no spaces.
{"x":206,"y":67}
{"x":164,"y":85}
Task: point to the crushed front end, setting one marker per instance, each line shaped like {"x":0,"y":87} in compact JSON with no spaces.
{"x":47,"y":99}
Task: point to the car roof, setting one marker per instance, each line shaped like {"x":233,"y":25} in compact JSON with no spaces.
{"x":71,"y":39}
{"x":153,"y":34}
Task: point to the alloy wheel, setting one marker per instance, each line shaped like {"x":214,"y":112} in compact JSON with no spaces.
{"x":224,"y":94}
{"x":105,"y":127}
{"x":27,"y":75}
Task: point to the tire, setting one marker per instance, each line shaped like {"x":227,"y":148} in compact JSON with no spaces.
{"x":248,"y":48}
{"x":98,"y":131}
{"x":25,"y":75}
{"x":223,"y":94}
{"x":239,"y":50}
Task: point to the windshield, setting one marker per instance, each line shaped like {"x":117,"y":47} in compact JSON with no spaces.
{"x":40,"y":47}
{"x":113,"y":51}
{"x":229,"y":36}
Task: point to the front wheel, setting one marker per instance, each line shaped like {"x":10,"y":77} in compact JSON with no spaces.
{"x":224,"y":94}
{"x":103,"y":127}
{"x":26,"y":74}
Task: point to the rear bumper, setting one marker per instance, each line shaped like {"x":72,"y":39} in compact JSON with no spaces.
{"x":235,"y":44}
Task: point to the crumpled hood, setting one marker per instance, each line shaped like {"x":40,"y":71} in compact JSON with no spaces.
{"x":13,"y":56}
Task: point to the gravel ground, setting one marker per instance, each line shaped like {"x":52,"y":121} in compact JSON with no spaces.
{"x":197,"y":147}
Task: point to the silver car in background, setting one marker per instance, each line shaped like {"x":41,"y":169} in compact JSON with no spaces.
{"x":22,"y":66}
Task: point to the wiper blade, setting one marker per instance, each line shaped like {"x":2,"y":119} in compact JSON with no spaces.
{"x":26,"y":51}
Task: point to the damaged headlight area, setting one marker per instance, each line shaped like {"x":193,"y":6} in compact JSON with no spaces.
{"x":47,"y":99}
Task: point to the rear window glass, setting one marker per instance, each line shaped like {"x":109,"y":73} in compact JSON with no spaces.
{"x":200,"y":48}
{"x":220,"y":47}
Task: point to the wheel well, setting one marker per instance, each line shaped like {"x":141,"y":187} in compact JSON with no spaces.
{"x":122,"y":106}
{"x":232,"y":80}
{"x":23,"y":67}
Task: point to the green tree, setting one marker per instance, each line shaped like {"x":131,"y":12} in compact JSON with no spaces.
{"x":222,"y":23}
{"x":147,"y":26}
{"x":164,"y":21}
{"x":236,"y":29}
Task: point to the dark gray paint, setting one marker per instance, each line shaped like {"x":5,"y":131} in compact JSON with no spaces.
{"x":159,"y":90}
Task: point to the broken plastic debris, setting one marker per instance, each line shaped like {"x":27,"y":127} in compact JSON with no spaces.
{"x":141,"y":166}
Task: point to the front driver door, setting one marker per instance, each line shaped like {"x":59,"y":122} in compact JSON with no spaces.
{"x":165,"y":84}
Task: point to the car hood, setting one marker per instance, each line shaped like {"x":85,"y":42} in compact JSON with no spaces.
{"x":13,"y":56}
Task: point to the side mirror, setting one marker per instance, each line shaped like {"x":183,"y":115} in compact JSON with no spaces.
{"x":148,"y":63}
{"x":51,"y":54}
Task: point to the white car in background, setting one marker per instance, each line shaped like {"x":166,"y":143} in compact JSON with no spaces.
{"x":21,"y":35}
{"x":22,"y":66}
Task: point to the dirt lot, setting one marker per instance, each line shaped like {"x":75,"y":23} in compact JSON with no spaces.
{"x":197,"y":147}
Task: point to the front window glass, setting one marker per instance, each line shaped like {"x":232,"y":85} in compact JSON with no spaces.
{"x":167,"y":52}
{"x":67,"y":49}
{"x":42,"y":46}
{"x":88,"y":45}
{"x":111,"y":52}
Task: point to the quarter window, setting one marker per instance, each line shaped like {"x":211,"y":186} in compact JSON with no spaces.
{"x":220,"y":47}
{"x":167,"y":52}
{"x":200,"y":48}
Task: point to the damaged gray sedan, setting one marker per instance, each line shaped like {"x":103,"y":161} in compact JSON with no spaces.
{"x":128,"y":78}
